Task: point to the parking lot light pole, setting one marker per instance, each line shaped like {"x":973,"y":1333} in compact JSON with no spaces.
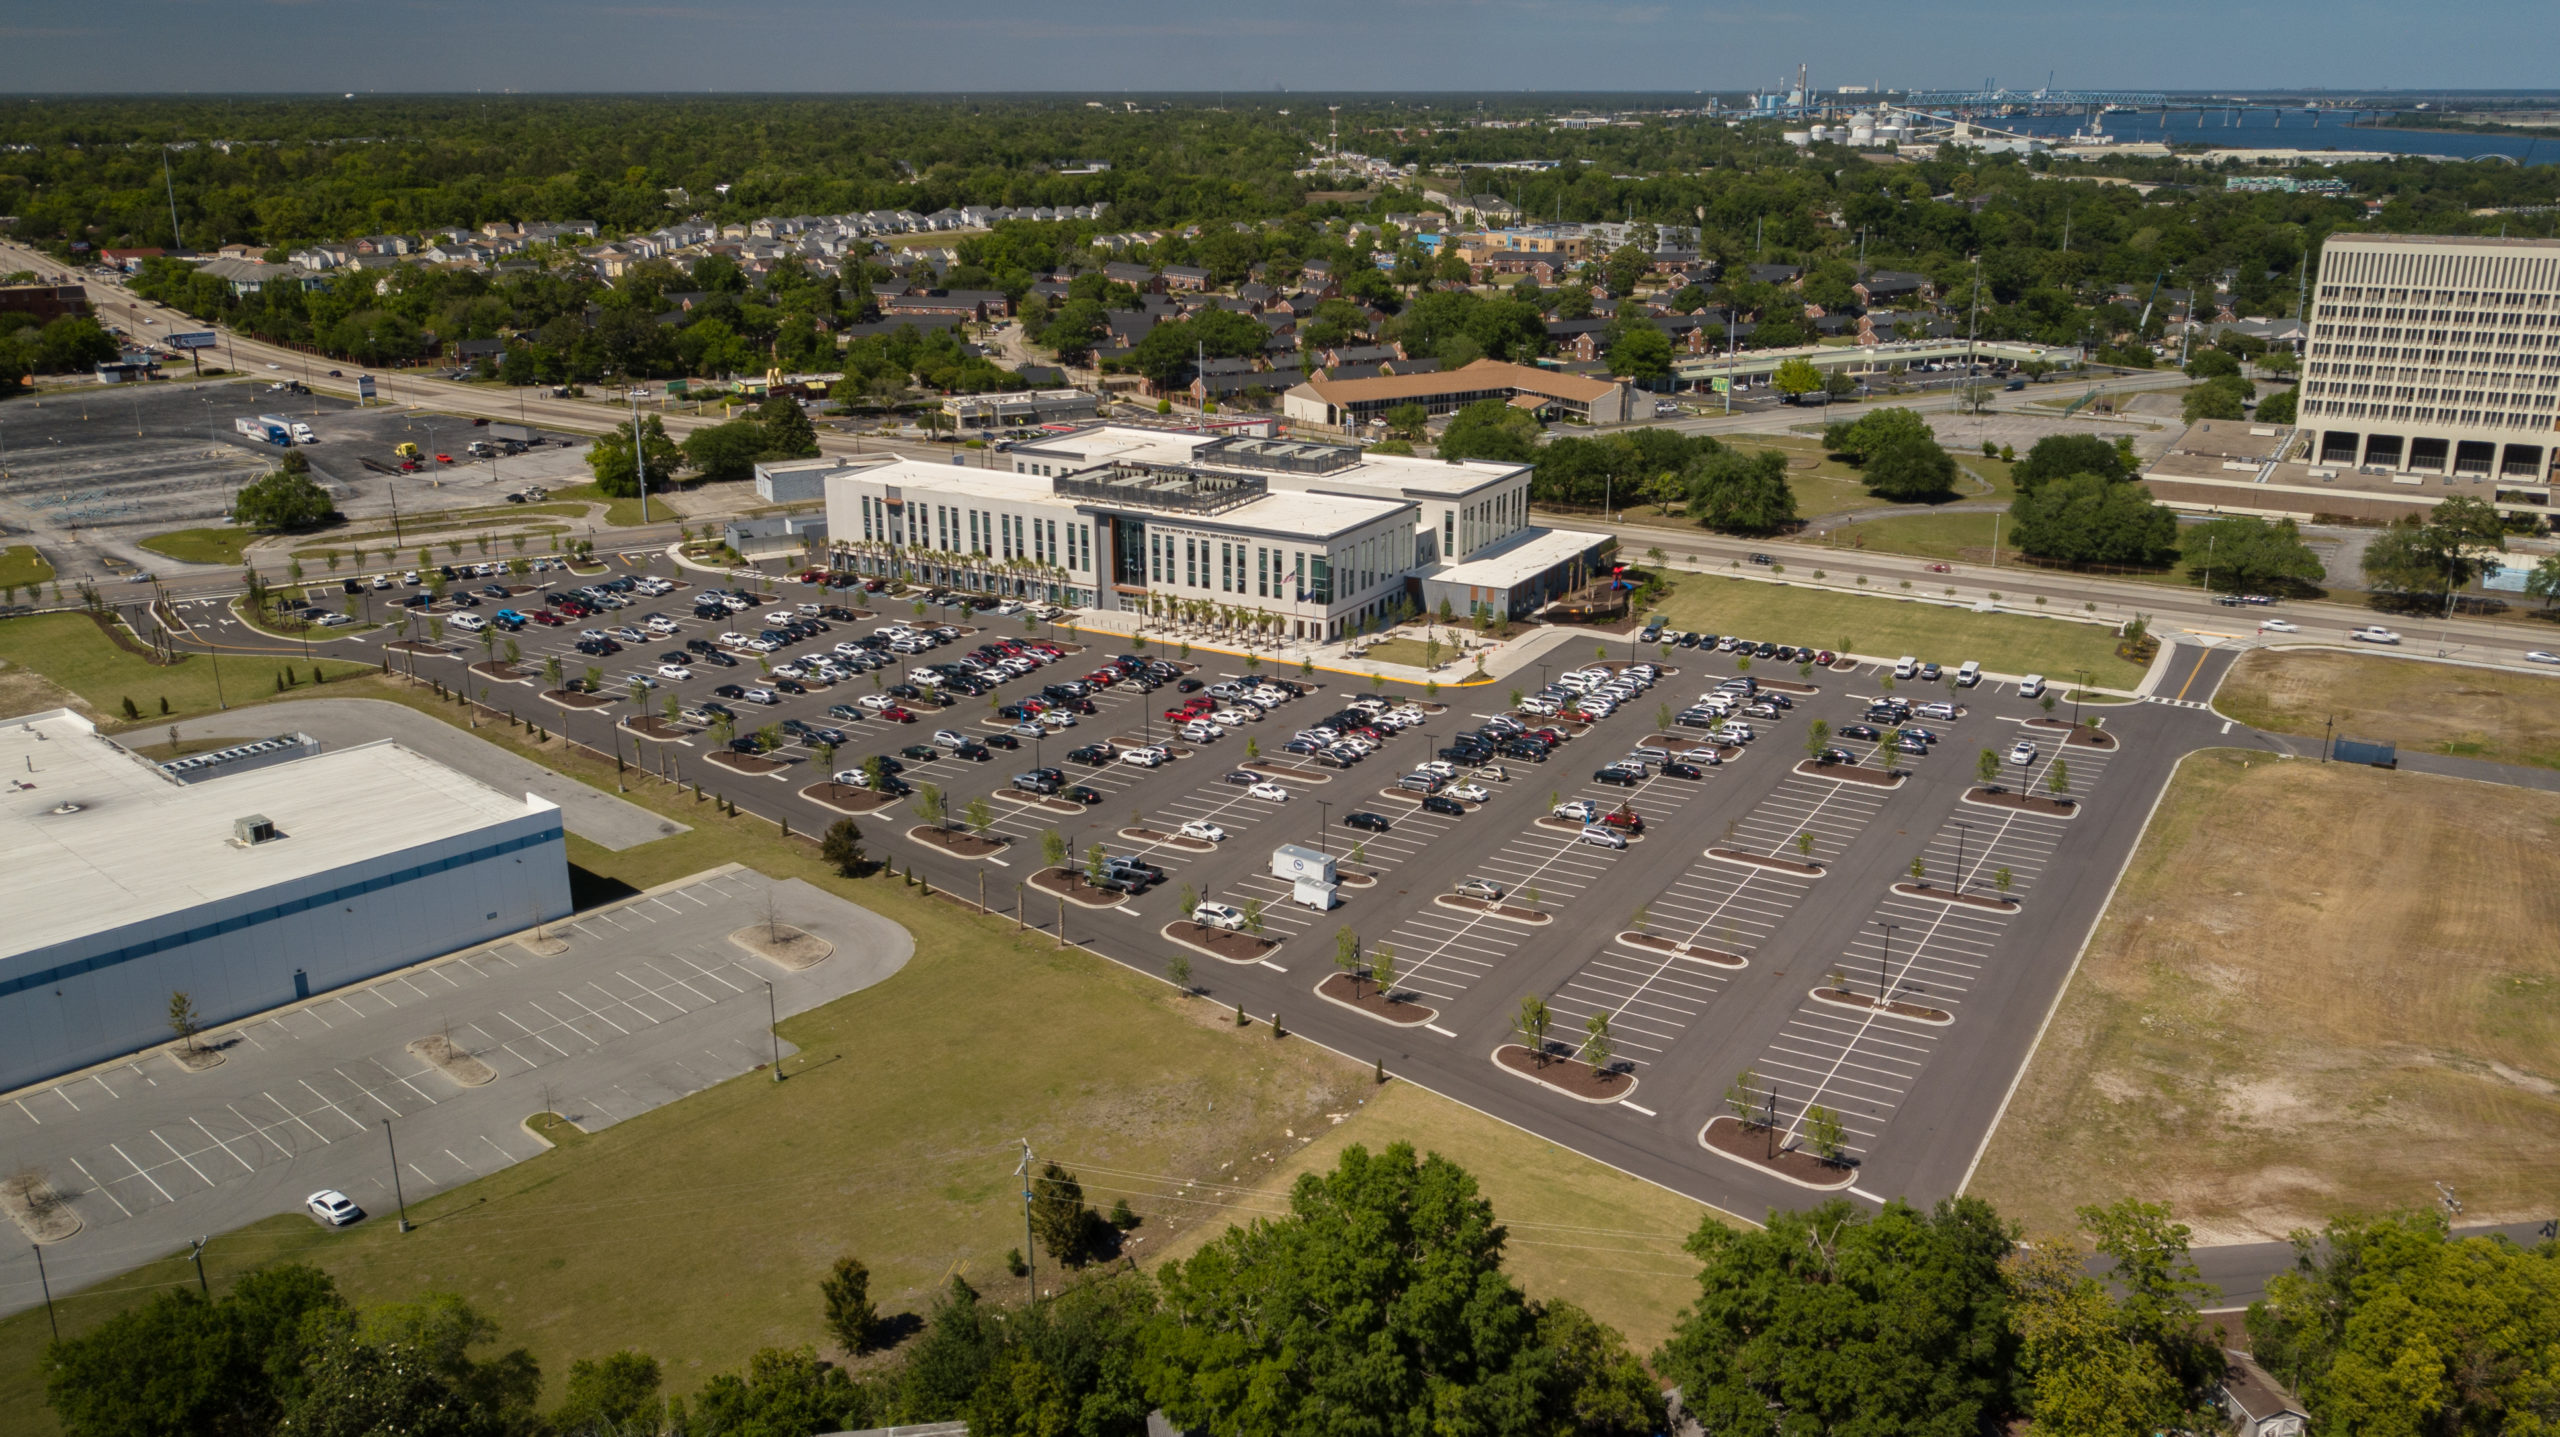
{"x":396,"y":1194}
{"x":1884,"y":966}
{"x":773,"y":1029}
{"x":1324,"y":820}
{"x":1961,"y":829}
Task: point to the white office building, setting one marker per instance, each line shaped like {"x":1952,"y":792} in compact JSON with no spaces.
{"x":244,"y":890}
{"x":1302,"y":540}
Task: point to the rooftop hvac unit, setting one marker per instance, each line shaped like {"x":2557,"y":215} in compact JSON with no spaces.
{"x":255,"y":829}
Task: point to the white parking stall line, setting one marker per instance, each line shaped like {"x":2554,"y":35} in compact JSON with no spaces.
{"x":245,"y":1165}
{"x":101,"y":1188}
{"x":181,"y":1157}
{"x":140,"y":1172}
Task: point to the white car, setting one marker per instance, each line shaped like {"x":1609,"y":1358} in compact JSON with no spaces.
{"x":763,"y":696}
{"x":2541,"y":656}
{"x":1218,"y":915}
{"x":677,"y":672}
{"x":2374,"y":634}
{"x":1204,"y":830}
{"x":1199,"y":732}
{"x":1440,"y":766}
{"x":1143,"y":757}
{"x":1603,"y":836}
{"x":2277,"y":626}
{"x":332,"y":1207}
{"x":1057,"y":719}
{"x":877,"y":701}
{"x":734,"y":639}
{"x":2024,"y":752}
{"x":1269,"y":792}
{"x":1472,"y":793}
{"x":1579,"y":810}
{"x":1236,"y":716}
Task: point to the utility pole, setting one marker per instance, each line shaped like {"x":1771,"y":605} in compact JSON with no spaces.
{"x":47,"y":1284}
{"x":177,"y":240}
{"x":198,"y":1254}
{"x":396,"y":1194}
{"x":1030,"y":1283}
{"x":773,"y":1029}
{"x":639,"y":456}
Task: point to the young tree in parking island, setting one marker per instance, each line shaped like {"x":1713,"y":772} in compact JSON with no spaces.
{"x":1530,"y":1025}
{"x":842,"y":848}
{"x":1053,"y":849}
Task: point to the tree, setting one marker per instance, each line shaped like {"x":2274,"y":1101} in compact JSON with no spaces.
{"x":1059,"y":1217}
{"x":609,"y":458}
{"x":1530,"y":1026}
{"x":931,"y":806}
{"x":610,"y":1396}
{"x":1177,"y":971}
{"x":979,"y":816}
{"x":2058,"y":456}
{"x":788,"y":434}
{"x":1382,"y":969}
{"x":1096,"y":865}
{"x":1908,"y":469}
{"x":1346,"y":956}
{"x":1641,"y":352}
{"x":2543,"y":581}
{"x":2437,"y":554}
{"x":841,"y":848}
{"x":1741,"y":493}
{"x":1379,"y":1304}
{"x":1053,"y":849}
{"x":183,"y":1019}
{"x":1859,"y":440}
{"x":721,"y":453}
{"x":2084,"y":1378}
{"x":1817,"y":737}
{"x":1823,"y":1133}
{"x":1796,"y":376}
{"x":180,"y":1366}
{"x":850,"y":1317}
{"x":2085,"y":519}
{"x":2225,"y":398}
{"x":1490,"y":429}
{"x":373,"y":1372}
{"x":2282,"y":407}
{"x":1597,"y":1050}
{"x":1892,"y":1323}
{"x":1987,"y":768}
{"x":282,"y":500}
{"x":1408,"y":421}
{"x":2244,"y":553}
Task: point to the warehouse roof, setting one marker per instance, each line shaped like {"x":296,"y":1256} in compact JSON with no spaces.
{"x":94,"y":836}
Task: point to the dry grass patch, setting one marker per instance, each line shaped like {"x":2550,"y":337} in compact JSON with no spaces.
{"x":1581,"y":1231}
{"x":2440,"y":708}
{"x":2321,"y":989}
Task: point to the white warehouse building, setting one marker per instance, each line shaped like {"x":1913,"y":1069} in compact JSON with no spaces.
{"x":1313,"y":539}
{"x":244,"y":890}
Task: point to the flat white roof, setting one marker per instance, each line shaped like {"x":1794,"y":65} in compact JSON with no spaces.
{"x":142,"y":845}
{"x":1397,"y":473}
{"x":1524,"y":556}
{"x":1287,"y":512}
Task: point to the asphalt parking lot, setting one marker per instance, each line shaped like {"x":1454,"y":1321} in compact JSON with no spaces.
{"x":1915,"y":1096}
{"x":649,"y":1001}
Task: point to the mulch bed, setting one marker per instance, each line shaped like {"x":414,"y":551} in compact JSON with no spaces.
{"x":1277,"y":770}
{"x":2031,"y":802}
{"x":1790,"y":686}
{"x":747,"y":763}
{"x":845,"y":798}
{"x":1898,"y":1008}
{"x":1592,"y":1085}
{"x":1504,"y":911}
{"x":1849,"y":773}
{"x":1045,"y":805}
{"x":959,"y":842}
{"x":1352,"y":993}
{"x":1751,"y":1145}
{"x":2080,"y":734}
{"x":651,"y":726}
{"x":571,"y":699}
{"x":1949,"y":895}
{"x":421,"y":646}
{"x":1553,"y":824}
{"x":1686,"y":950}
{"x":1227,"y":944}
{"x":1075,"y":889}
{"x":504,"y":672}
{"x":1767,"y":860}
{"x":1156,"y":835}
{"x":1353,"y":878}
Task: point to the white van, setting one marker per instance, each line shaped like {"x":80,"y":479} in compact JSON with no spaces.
{"x":2031,"y":687}
{"x":1905,"y":667}
{"x":1969,"y":675}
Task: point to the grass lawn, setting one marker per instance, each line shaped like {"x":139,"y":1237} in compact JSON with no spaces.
{"x":2004,"y":643}
{"x":1414,"y":653}
{"x":2440,"y":708}
{"x":2318,"y":991}
{"x":202,"y":546}
{"x":1829,"y":486}
{"x":621,"y":513}
{"x":1579,"y":1230}
{"x":69,"y":650}
{"x":20,"y":564}
{"x":893,"y":1139}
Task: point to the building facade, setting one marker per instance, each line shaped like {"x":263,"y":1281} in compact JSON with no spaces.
{"x":244,"y":891}
{"x":2436,"y":355}
{"x":1285,"y":538}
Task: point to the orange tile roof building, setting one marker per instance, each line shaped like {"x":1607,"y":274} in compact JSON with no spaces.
{"x":1347,"y":404}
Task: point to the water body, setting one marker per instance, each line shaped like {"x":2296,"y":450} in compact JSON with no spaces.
{"x":2266,"y":129}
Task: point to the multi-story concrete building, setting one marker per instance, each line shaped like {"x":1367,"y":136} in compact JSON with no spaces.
{"x":1293,"y":539}
{"x":2436,"y":355}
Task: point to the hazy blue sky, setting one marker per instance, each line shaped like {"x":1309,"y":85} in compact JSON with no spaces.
{"x":857,"y":45}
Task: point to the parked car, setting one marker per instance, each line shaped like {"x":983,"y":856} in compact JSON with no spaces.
{"x":333,"y":1207}
{"x":1444,"y":804}
{"x":1483,"y":888}
{"x":1269,"y":792}
{"x":1203,"y":830}
{"x":1218,"y":915}
{"x":1363,"y":819}
{"x":2023,"y":752}
{"x":1603,"y":837}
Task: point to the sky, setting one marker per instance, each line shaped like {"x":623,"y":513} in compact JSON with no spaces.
{"x":984,"y":46}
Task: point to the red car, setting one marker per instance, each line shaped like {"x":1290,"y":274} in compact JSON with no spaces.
{"x":1824,"y":658}
{"x":444,"y":459}
{"x":1626,"y":818}
{"x":546,"y":618}
{"x":1103,"y":677}
{"x":895,"y":714}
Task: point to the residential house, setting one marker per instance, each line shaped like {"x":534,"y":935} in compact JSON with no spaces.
{"x":1889,"y":288}
{"x":130,"y":260}
{"x":1186,"y":278}
{"x":1137,"y":276}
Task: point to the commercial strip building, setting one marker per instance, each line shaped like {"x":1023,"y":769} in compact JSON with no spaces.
{"x":1285,"y":538}
{"x":1347,"y":404}
{"x":243,"y":890}
{"x":2436,"y":356}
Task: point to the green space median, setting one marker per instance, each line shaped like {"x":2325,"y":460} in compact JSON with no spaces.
{"x":1882,"y":624}
{"x":203,"y":546}
{"x":73,"y":652}
{"x":22,"y":567}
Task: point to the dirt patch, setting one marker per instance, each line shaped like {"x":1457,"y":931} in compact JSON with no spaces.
{"x":1897,"y":1007}
{"x":959,"y":842}
{"x":504,"y":672}
{"x":845,"y":798}
{"x":572,"y":699}
{"x":1045,"y":805}
{"x":793,"y":948}
{"x":2081,"y":735}
{"x":1225,"y":944}
{"x":1848,"y":773}
{"x":1570,"y":1076}
{"x":1766,"y":860}
{"x":1507,"y":912}
{"x":1076,"y":889}
{"x":748,"y":763}
{"x":1751,"y":1145}
{"x":1659,"y":944}
{"x":1367,"y":997}
{"x":2031,"y":802}
{"x":2421,"y":706}
{"x":1170,"y":840}
{"x":1948,"y":895}
{"x":196,"y":1057}
{"x":438,"y":1052}
{"x":650,"y":726}
{"x":36,"y":1208}
{"x":1790,"y":686}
